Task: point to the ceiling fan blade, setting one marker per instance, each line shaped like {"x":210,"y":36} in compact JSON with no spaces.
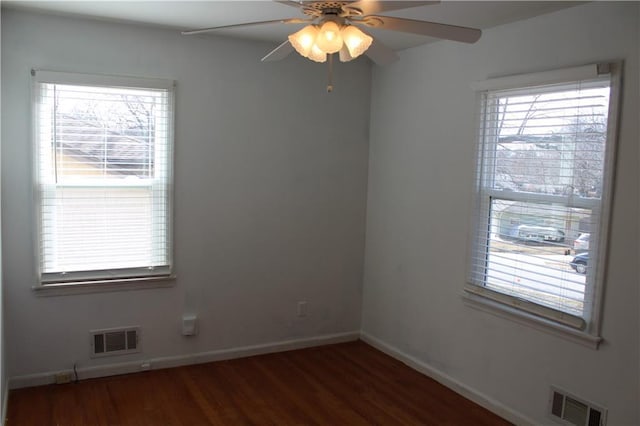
{"x":431,"y":29}
{"x":247,"y":24}
{"x":368,"y":7}
{"x":279,"y":52}
{"x":381,"y":54}
{"x":289,"y":3}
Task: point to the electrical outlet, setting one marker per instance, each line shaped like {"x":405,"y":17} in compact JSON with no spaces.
{"x":62,"y":378}
{"x":189,"y":325}
{"x":302,"y":308}
{"x":145,"y":366}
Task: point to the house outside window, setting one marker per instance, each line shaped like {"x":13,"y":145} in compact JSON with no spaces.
{"x":543,"y":187}
{"x":103,"y":156}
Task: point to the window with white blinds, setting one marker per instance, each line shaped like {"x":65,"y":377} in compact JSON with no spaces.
{"x":543,"y":181}
{"x":103,"y":154}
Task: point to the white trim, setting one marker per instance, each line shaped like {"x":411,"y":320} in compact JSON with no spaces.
{"x":44,"y":76}
{"x":522,"y":317}
{"x":103,"y":286}
{"x":602,"y":244}
{"x":91,"y":372}
{"x":569,"y":201}
{"x":564,"y":75}
{"x":471,"y":394}
{"x":125,"y":277}
{"x":595,"y":282}
{"x":525,"y":305}
{"x":106,"y":275}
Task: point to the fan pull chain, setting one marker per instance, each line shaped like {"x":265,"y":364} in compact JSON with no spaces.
{"x":330,"y":83}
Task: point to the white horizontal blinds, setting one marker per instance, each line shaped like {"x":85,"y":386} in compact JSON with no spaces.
{"x":104,"y":157}
{"x":550,"y":140}
{"x":540,"y":183}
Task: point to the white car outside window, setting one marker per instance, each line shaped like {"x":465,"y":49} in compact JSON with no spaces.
{"x":581,"y":244}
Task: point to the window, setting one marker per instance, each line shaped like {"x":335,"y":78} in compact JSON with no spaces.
{"x":544,"y":173}
{"x":103,"y":155}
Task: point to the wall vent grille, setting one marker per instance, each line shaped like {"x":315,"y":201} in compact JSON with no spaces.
{"x":115,"y":341}
{"x":568,"y":409}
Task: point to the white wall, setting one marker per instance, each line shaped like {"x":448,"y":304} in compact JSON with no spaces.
{"x":270,"y":194}
{"x":420,"y":189}
{"x":3,"y":380}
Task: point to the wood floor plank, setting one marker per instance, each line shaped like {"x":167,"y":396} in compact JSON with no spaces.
{"x":344,"y":384}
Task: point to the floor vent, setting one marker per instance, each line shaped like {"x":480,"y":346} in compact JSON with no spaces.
{"x":115,"y":341}
{"x":569,"y":410}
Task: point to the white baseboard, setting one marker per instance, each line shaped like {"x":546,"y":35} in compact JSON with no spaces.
{"x":472,"y":394}
{"x":47,"y":378}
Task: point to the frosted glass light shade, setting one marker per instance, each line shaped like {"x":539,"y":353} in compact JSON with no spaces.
{"x":329,"y":39}
{"x":345,"y":56}
{"x":356,"y":41}
{"x":316,"y":54}
{"x":304,"y":40}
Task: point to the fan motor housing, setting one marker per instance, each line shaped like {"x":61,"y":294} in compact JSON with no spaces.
{"x":322,"y":8}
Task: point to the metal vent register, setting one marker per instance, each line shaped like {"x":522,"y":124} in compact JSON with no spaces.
{"x":569,"y":410}
{"x":115,"y":341}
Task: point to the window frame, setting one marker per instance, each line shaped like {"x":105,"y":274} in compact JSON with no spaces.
{"x":522,"y":310}
{"x":78,"y":282}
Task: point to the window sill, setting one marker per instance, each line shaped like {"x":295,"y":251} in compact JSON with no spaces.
{"x":86,"y":287}
{"x":539,"y":323}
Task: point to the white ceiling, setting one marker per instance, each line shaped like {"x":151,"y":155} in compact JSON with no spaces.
{"x":183,"y":15}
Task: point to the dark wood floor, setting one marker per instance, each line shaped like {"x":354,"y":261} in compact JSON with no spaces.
{"x":343,"y":384}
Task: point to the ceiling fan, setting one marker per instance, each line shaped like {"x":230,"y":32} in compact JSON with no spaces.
{"x":335,"y":27}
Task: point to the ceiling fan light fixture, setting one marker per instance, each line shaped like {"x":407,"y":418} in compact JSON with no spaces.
{"x":355,"y":40}
{"x":333,"y":26}
{"x":329,"y":39}
{"x":304,"y":40}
